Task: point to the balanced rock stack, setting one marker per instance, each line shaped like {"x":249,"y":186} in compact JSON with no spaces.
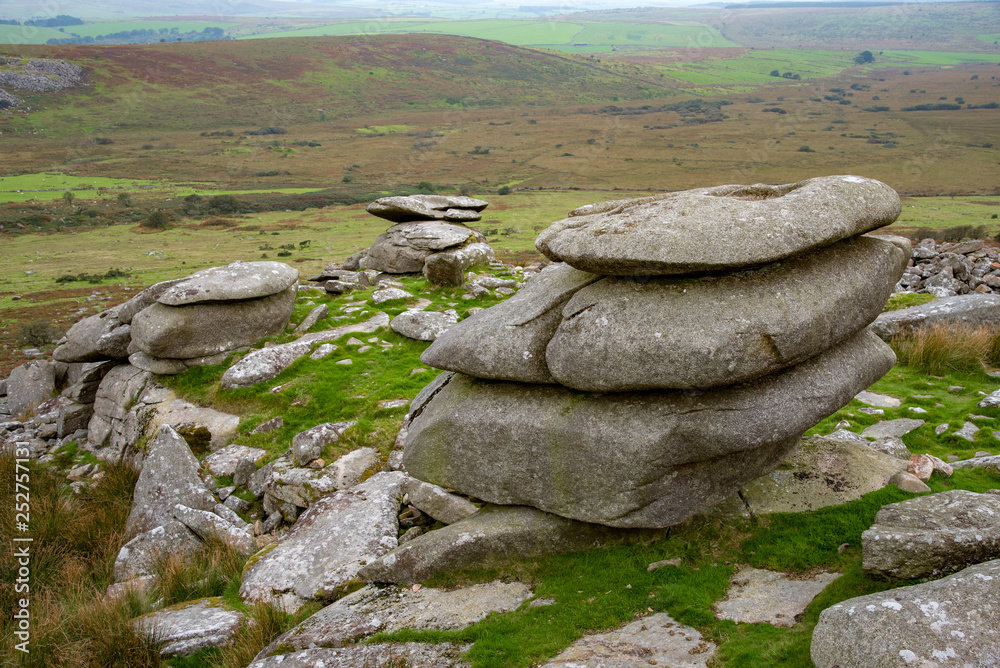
{"x":429,"y":236}
{"x":680,"y":349}
{"x":174,"y":325}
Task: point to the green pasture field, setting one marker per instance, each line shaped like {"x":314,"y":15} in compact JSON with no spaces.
{"x":28,"y":34}
{"x":104,"y":28}
{"x":900,"y":58}
{"x":940,"y":213}
{"x":754,"y":67}
{"x":382,"y":129}
{"x":991,"y":37}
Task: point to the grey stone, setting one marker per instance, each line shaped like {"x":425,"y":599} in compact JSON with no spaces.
{"x":143,"y":583}
{"x":238,"y":281}
{"x":448,"y":267}
{"x":168,"y":366}
{"x":144,"y":299}
{"x":373,"y":610}
{"x":244,"y":470}
{"x":972,"y":310}
{"x":623,"y":334}
{"x":423,"y":325}
{"x":271,"y":425}
{"x":140,"y":555}
{"x":115,"y":343}
{"x":121,"y":387}
{"x":652,"y":458}
{"x":207,"y":524}
{"x":266,"y":363}
{"x":389,"y":294}
{"x":991,"y":461}
{"x":873,"y":399}
{"x":29,"y":385}
{"x":991,"y":401}
{"x":892,"y":445}
{"x":302,"y":486}
{"x":908,"y":482}
{"x":653,"y":640}
{"x":951,"y":621}
{"x":236,"y":505}
{"x":437,"y":502}
{"x":313,"y":317}
{"x":326,"y":548}
{"x":374,"y":655}
{"x":718,"y":228}
{"x":407,"y":208}
{"x":186,"y":628}
{"x":757,"y":596}
{"x":73,"y":417}
{"x":223,"y":462}
{"x":203,"y":428}
{"x":888,"y":428}
{"x":491,"y":537}
{"x":932,"y":535}
{"x":403,"y":248}
{"x":169,"y":476}
{"x":507,"y":341}
{"x":208,"y":328}
{"x":339,"y":287}
{"x":82,"y":338}
{"x":308,"y":445}
{"x":968,"y":431}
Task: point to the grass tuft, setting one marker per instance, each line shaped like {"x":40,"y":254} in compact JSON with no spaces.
{"x":941,"y":348}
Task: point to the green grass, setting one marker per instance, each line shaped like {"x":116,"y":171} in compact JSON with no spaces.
{"x":903,"y":57}
{"x":105,"y":28}
{"x":990,"y":37}
{"x":754,"y":67}
{"x":382,"y":129}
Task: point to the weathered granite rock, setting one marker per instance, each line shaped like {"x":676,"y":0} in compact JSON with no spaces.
{"x":972,"y":310}
{"x":437,"y":502}
{"x":140,"y":555}
{"x":302,"y":486}
{"x":204,"y":429}
{"x":891,"y":445}
{"x":388,"y":294}
{"x":327,"y":545}
{"x":890,"y":428}
{"x":266,"y":363}
{"x":409,"y":208}
{"x":424,"y":325}
{"x":373,"y":610}
{"x":655,"y":640}
{"x":491,"y":537}
{"x":375,"y":655}
{"x":169,"y":476}
{"x":308,"y":445}
{"x":448,"y":267}
{"x":718,"y":228}
{"x":115,"y":343}
{"x":507,"y":341}
{"x":121,"y":387}
{"x":652,"y":458}
{"x":403,"y":248}
{"x":932,"y":535}
{"x":29,"y":385}
{"x":990,"y":461}
{"x":312,"y":318}
{"x":954,"y":621}
{"x":223,"y":462}
{"x":144,"y":299}
{"x":756,"y":595}
{"x":238,"y":281}
{"x":873,"y":399}
{"x":72,"y":417}
{"x":909,"y":483}
{"x":163,"y":366}
{"x":82,"y":337}
{"x":622,"y":334}
{"x":189,"y":627}
{"x":208,"y":328}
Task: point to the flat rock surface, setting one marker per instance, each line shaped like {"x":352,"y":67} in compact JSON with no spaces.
{"x":718,"y":228}
{"x":932,"y":535}
{"x":874,"y":399}
{"x":188,"y":627}
{"x":403,"y":208}
{"x":756,"y":595}
{"x":373,"y":610}
{"x":954,"y":621}
{"x":328,"y":544}
{"x":139,"y":556}
{"x":621,"y":333}
{"x":654,"y":640}
{"x":378,"y":655}
{"x":971,"y":310}
{"x":424,"y":325}
{"x":630,"y":459}
{"x":216,"y":428}
{"x":507,"y":341}
{"x":223,"y":462}
{"x":889,"y":428}
{"x":236,"y":281}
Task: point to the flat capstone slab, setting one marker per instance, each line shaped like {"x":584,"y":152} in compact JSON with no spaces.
{"x":236,"y":281}
{"x":756,"y":595}
{"x":192,"y":626}
{"x":722,"y":227}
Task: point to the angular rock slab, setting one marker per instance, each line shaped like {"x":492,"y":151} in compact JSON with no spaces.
{"x":932,"y":535}
{"x":724,"y":227}
{"x":328,"y":544}
{"x":654,"y":640}
{"x":403,"y":248}
{"x":507,"y":341}
{"x":424,"y":325}
{"x":756,"y":595}
{"x":373,"y":610}
{"x":169,"y":476}
{"x":213,"y":428}
{"x":223,"y":462}
{"x":621,"y":334}
{"x":208,"y":328}
{"x":448,"y":267}
{"x":493,"y":536}
{"x":29,"y":385}
{"x":409,"y":208}
{"x":626,"y":459}
{"x":236,"y":281}
{"x":377,"y":655}
{"x":954,"y":621}
{"x":189,"y":627}
{"x":302,"y":486}
{"x":82,"y":338}
{"x":972,"y":310}
{"x":139,"y":556}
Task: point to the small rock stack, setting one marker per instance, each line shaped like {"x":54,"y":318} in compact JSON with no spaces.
{"x":948,"y":269}
{"x":679,"y":348}
{"x":429,"y":236}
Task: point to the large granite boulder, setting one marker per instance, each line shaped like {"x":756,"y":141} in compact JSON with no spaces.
{"x":119,"y":390}
{"x":954,"y":621}
{"x":932,"y":535}
{"x":629,"y":459}
{"x":29,"y":385}
{"x":448,"y":267}
{"x":238,"y":281}
{"x":972,"y":310}
{"x":186,"y":628}
{"x":403,"y":248}
{"x":718,"y":228}
{"x":82,"y":339}
{"x":424,"y":325}
{"x":411,"y":208}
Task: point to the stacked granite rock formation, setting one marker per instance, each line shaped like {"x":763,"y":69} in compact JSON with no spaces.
{"x":428,"y":236}
{"x":678,"y":348}
{"x":174,"y":325}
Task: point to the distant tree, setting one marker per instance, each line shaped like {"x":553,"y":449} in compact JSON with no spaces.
{"x":775,"y":73}
{"x":864,"y":57}
{"x":805,"y":149}
{"x":125,"y":199}
{"x":68,"y":197}
{"x":504,"y":190}
{"x":157,"y":220}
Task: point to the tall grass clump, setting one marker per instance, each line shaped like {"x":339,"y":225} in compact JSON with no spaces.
{"x":214,"y":572}
{"x":941,"y":348}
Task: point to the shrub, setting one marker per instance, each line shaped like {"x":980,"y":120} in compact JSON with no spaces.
{"x":125,"y":199}
{"x":224,"y":204}
{"x":103,"y":141}
{"x":273,"y":130}
{"x":942,"y":348}
{"x":503,"y":190}
{"x":36,"y":333}
{"x":426,"y":188}
{"x":157,"y":220}
{"x":805,"y":149}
